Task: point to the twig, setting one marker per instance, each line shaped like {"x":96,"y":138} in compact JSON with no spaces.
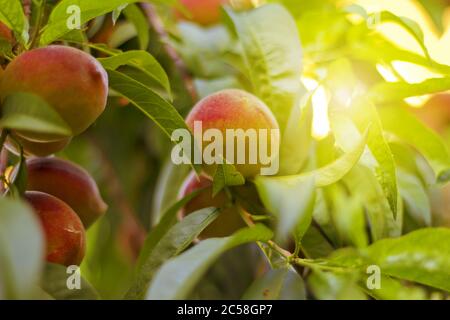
{"x":157,"y":25}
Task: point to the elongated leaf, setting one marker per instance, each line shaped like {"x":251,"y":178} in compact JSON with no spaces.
{"x":415,"y":197}
{"x":140,"y":22}
{"x":58,"y":25}
{"x":277,"y":284}
{"x":55,"y":280}
{"x":167,"y":220}
{"x":296,"y":138}
{"x":22,"y":250}
{"x":273,"y":61}
{"x":28,"y":112}
{"x":330,"y":173}
{"x":226,"y":175}
{"x":348,"y":216}
{"x":173,"y":243}
{"x":12,"y":15}
{"x":362,"y":183}
{"x":421,"y":256}
{"x":409,"y":25}
{"x":387,"y":92}
{"x":330,"y":286}
{"x":141,"y":60}
{"x":151,"y":104}
{"x":364,"y":114}
{"x":292,"y":203}
{"x":315,"y":245}
{"x":178,"y":276}
{"x":393,"y":289}
{"x":421,"y":137}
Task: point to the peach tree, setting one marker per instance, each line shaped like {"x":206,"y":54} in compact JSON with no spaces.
{"x":91,"y":93}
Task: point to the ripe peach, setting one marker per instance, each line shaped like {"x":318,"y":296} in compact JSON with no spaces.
{"x":68,"y":182}
{"x":229,"y":219}
{"x":5,"y":33}
{"x":69,"y":80}
{"x":63,"y":230}
{"x":204,"y":12}
{"x":38,"y":149}
{"x":235,"y":109}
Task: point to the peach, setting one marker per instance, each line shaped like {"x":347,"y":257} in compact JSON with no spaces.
{"x":38,"y":149}
{"x":5,"y":33}
{"x":63,"y":230}
{"x":204,"y":12}
{"x":69,"y":80}
{"x":228,"y":221}
{"x":68,"y":182}
{"x":235,"y":109}
{"x":435,"y":113}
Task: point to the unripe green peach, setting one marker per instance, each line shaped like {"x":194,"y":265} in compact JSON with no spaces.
{"x":204,"y":12}
{"x":69,"y":80}
{"x":37,"y":149}
{"x":235,"y":109}
{"x":229,"y":219}
{"x":68,"y":182}
{"x":63,"y":230}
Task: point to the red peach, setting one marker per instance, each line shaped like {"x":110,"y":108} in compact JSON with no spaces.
{"x":234,"y":109}
{"x":229,"y":219}
{"x":204,"y":12}
{"x":69,"y":80}
{"x":68,"y":182}
{"x":63,"y":230}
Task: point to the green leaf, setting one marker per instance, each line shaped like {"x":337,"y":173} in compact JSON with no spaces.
{"x":314,"y":244}
{"x":349,"y":217}
{"x":386,"y":92}
{"x":273,"y":56}
{"x":413,"y":132}
{"x":435,"y":9}
{"x":292,"y":203}
{"x":415,"y":197}
{"x":140,"y":22}
{"x":331,"y":286}
{"x":22,"y":250}
{"x":330,"y":173}
{"x":226,"y":175}
{"x":57,"y":25}
{"x":141,"y":60}
{"x":12,"y":15}
{"x":55,"y":283}
{"x":297,"y":138}
{"x":277,"y":284}
{"x":28,"y":112}
{"x":409,"y":25}
{"x":364,"y":114}
{"x":175,"y":241}
{"x":363,"y":184}
{"x":151,"y":104}
{"x":393,"y":289}
{"x":177,"y":278}
{"x":421,"y":256}
{"x":167,"y":220}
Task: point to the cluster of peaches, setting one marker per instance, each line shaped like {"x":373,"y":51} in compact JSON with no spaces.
{"x":63,"y":195}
